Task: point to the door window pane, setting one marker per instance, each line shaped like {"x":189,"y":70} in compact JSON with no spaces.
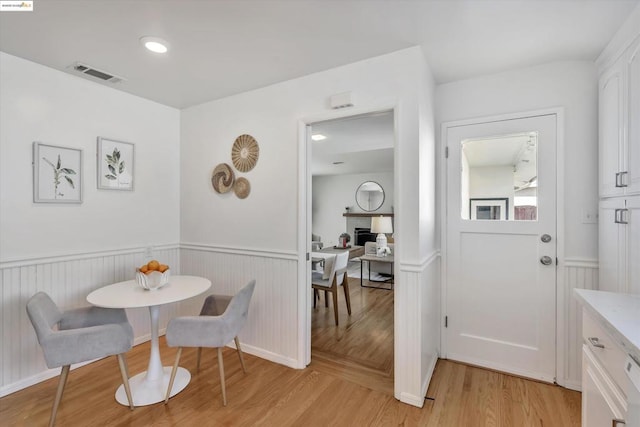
{"x":500,"y":178}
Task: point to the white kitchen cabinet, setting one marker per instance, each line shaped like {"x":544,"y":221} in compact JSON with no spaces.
{"x":604,"y":382}
{"x":619,"y":245}
{"x":619,"y":125}
{"x":599,"y":405}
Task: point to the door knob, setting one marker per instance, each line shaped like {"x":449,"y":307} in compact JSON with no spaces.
{"x":545,"y":238}
{"x":546,"y":260}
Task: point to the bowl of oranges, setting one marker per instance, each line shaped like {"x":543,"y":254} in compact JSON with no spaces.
{"x":152,"y":275}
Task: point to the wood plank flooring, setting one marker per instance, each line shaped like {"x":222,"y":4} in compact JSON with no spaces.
{"x":329,"y":392}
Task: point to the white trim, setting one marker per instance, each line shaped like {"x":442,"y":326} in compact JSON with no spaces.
{"x":581,"y":263}
{"x":24,"y":262}
{"x":411,"y":399}
{"x":419,"y":267}
{"x":623,"y":38}
{"x":236,"y":250}
{"x":427,"y":378}
{"x":560,"y":240}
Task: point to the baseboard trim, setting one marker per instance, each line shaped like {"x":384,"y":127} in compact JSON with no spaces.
{"x":411,"y":399}
{"x":427,"y":378}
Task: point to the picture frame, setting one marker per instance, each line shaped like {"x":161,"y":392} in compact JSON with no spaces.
{"x":489,"y":209}
{"x":57,"y":174}
{"x":115,"y":168}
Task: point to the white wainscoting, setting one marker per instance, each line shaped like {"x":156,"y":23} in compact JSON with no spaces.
{"x":272,"y":326}
{"x":68,"y":280}
{"x":578,"y":274}
{"x":416,"y":297}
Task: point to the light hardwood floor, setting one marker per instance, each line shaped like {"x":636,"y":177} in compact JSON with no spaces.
{"x":327,"y":393}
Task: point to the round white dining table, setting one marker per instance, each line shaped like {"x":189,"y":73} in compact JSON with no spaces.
{"x":150,"y":386}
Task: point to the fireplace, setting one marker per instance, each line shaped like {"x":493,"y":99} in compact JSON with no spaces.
{"x":362,"y":235}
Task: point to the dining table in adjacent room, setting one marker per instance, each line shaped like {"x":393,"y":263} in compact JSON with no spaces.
{"x":151,"y":385}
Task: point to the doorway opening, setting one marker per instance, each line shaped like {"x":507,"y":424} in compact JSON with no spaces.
{"x":352,"y":182}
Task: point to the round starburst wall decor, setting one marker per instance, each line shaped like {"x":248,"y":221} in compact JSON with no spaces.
{"x":245,"y":153}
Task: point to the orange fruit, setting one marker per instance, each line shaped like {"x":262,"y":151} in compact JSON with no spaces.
{"x":153,"y":265}
{"x":163,"y":268}
{"x":144,"y":268}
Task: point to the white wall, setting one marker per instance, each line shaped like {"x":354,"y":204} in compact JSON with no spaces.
{"x":332,"y":193}
{"x":70,"y":250}
{"x":53,"y":107}
{"x":572,"y":85}
{"x":491,"y":182}
{"x":265,"y":225}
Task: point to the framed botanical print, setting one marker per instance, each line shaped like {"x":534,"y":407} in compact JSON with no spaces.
{"x":115,"y":164}
{"x":57,"y":174}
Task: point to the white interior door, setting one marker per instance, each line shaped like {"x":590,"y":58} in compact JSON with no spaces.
{"x":501,"y":245}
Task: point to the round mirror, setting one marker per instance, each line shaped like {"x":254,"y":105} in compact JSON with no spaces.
{"x":369,"y":196}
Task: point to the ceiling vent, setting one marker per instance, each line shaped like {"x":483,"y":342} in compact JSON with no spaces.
{"x":95,"y":73}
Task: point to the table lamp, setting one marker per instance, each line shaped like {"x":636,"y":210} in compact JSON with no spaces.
{"x":381,"y":225}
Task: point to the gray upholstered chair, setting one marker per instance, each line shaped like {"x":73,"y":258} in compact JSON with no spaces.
{"x":338,"y":277}
{"x":79,"y":335}
{"x":211,"y":330}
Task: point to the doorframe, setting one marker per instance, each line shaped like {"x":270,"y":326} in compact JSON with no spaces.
{"x":561,"y":304}
{"x":304,"y":214}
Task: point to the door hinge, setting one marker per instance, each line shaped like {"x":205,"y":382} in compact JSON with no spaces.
{"x":307,"y":256}
{"x":446,"y":321}
{"x":556,"y":260}
{"x":446,"y":152}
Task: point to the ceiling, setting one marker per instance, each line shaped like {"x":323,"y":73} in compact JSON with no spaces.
{"x":360,"y":144}
{"x":220,"y":48}
{"x":517,"y":151}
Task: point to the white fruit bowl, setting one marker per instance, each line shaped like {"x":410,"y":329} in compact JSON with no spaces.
{"x":153,"y":280}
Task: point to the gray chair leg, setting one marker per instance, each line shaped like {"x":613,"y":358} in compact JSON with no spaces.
{"x":221,"y":366}
{"x":62,"y":381}
{"x":124,"y":370}
{"x":244,"y":369}
{"x":173,"y":375}
{"x":198,"y":359}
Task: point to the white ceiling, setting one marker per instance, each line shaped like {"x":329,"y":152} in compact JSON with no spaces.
{"x":220,"y":48}
{"x":362,"y":143}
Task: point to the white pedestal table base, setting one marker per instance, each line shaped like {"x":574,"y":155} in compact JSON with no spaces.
{"x":146,"y":392}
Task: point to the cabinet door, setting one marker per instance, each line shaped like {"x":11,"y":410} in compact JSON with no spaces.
{"x":632,"y":166}
{"x":611,"y":130}
{"x":632,"y":217}
{"x":598,"y":407}
{"x":611,"y":247}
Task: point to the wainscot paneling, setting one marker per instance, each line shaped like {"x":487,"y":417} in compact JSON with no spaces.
{"x":416,"y":297}
{"x":68,"y":280}
{"x":578,"y":274}
{"x":271,"y":329}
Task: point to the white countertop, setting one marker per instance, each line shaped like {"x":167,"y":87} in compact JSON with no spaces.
{"x":620,"y":314}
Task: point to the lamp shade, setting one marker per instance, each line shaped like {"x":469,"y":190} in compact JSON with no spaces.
{"x":381,"y":224}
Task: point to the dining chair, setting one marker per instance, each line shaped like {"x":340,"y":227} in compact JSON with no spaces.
{"x":337,"y":277}
{"x":79,"y":335}
{"x":209,"y":330}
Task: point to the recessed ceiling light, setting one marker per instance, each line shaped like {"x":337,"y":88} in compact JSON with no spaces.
{"x":154,"y":44}
{"x":318,"y":137}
